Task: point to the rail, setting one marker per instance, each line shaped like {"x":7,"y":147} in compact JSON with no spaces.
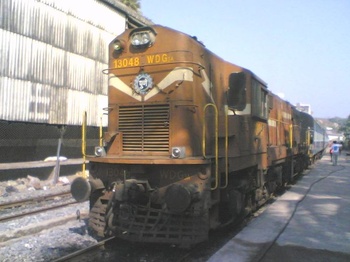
{"x":33,"y":210}
{"x":80,"y":253}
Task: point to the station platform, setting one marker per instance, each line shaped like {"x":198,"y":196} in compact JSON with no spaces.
{"x":309,"y":222}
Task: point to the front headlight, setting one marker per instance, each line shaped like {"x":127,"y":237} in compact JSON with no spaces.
{"x":142,"y":38}
{"x":118,"y":46}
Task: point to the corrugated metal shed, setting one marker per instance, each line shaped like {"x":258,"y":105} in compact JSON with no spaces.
{"x":52,"y":56}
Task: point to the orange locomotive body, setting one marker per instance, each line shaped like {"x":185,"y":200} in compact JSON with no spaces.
{"x":193,"y":142}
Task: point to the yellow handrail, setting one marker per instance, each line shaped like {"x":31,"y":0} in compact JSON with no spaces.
{"x":226,"y":147}
{"x":216,"y":142}
{"x":291,"y":136}
{"x":308,"y":141}
{"x":101,"y":133}
{"x":308,"y":137}
{"x":83,"y":142}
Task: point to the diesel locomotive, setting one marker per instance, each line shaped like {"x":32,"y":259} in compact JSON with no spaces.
{"x":193,"y":142}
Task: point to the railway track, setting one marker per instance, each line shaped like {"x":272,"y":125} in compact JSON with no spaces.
{"x":121,"y":250}
{"x":32,"y":200}
{"x":30,"y":206}
{"x":82,"y":255}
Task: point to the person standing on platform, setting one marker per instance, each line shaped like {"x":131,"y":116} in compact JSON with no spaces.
{"x":335,"y":149}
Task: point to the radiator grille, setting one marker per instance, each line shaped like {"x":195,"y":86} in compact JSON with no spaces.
{"x":145,"y":128}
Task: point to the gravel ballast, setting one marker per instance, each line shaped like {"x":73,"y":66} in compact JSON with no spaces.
{"x":43,"y":236}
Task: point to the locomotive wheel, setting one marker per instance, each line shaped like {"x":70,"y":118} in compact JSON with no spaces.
{"x":231,"y":209}
{"x":236,"y":203}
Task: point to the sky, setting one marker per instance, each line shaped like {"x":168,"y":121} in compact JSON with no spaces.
{"x":300,"y":48}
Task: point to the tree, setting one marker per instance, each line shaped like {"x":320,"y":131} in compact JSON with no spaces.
{"x":345,"y":127}
{"x":133,"y":4}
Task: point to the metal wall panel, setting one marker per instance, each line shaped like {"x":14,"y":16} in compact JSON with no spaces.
{"x":79,"y":102}
{"x":91,"y":11}
{"x":15,"y":95}
{"x":52,"y":56}
{"x":35,"y":102}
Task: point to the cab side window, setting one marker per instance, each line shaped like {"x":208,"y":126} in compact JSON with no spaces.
{"x":259,"y":100}
{"x":237,"y":91}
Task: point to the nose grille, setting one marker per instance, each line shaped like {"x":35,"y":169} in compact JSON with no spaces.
{"x":145,"y":128}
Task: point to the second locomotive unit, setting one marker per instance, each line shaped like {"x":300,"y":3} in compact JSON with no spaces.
{"x":193,"y":142}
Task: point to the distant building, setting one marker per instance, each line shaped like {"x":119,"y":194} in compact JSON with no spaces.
{"x":306,"y":108}
{"x":52,"y":54}
{"x":331,"y":130}
{"x":334,"y":136}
